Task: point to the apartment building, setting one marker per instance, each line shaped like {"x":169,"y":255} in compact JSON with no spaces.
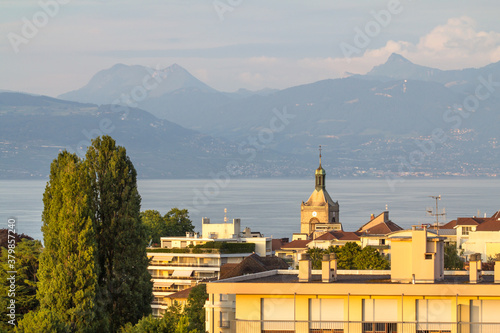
{"x":416,"y":295}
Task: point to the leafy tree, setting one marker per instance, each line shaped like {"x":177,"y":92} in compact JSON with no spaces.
{"x":43,"y":321}
{"x":26,"y":255}
{"x":173,"y":321}
{"x":370,"y":258}
{"x":195,"y":308}
{"x":124,"y":281}
{"x":154,"y":224}
{"x":346,"y":255}
{"x":68,"y":268}
{"x":175,"y":223}
{"x":452,"y":259}
{"x":178,"y":222}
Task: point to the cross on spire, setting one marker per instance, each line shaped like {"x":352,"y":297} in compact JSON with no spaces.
{"x":319,"y":154}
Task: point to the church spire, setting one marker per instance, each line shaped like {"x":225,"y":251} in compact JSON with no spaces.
{"x":320,"y":174}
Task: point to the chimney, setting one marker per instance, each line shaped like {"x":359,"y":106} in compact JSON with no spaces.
{"x":329,"y":267}
{"x":305,"y":267}
{"x":372,"y":217}
{"x":475,"y":268}
{"x":497,"y":269}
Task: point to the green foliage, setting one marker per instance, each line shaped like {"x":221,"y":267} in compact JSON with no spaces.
{"x":226,"y":247}
{"x":43,"y":321}
{"x":452,"y":259}
{"x":175,"y":223}
{"x":346,"y":255}
{"x":370,"y":258}
{"x":154,"y":224}
{"x":124,"y":281}
{"x":195,"y":307}
{"x":316,"y":255}
{"x":93,"y":270}
{"x":178,"y":222}
{"x":173,"y":321}
{"x":351,"y":256}
{"x":68,"y":267}
{"x":26,"y":256}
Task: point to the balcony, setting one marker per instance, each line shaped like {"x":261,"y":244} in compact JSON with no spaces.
{"x":273,"y":326}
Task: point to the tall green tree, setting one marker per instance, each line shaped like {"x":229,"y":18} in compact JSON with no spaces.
{"x":26,"y":255}
{"x":195,"y":310}
{"x":68,"y":267}
{"x":124,"y":281}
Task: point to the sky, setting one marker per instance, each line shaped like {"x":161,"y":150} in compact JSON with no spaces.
{"x":54,"y":46}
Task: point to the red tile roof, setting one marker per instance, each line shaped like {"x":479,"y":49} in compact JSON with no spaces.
{"x":339,"y":235}
{"x":296,"y":244}
{"x":490,"y":225}
{"x":180,"y":294}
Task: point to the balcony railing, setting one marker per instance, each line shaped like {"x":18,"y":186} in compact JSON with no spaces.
{"x":273,"y":326}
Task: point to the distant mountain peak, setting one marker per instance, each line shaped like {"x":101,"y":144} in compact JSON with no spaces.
{"x":398,"y":67}
{"x":106,"y":86}
{"x":397,"y":58}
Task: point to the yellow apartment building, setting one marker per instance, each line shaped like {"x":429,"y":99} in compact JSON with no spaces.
{"x":416,"y":295}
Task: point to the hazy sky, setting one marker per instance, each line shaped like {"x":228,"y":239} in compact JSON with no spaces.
{"x":54,"y":46}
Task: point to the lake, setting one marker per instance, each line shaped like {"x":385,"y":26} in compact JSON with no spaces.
{"x":272,"y":206}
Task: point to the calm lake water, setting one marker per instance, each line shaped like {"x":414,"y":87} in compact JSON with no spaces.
{"x":272,"y":206}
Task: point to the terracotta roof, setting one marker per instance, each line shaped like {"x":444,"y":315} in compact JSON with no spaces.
{"x":296,"y":244}
{"x":255,"y":264}
{"x":339,"y":235}
{"x":383,"y":228}
{"x":226,"y":268}
{"x":180,"y":294}
{"x":496,"y":215}
{"x":277,"y":243}
{"x":469,"y":220}
{"x":490,"y":225}
{"x":449,"y":225}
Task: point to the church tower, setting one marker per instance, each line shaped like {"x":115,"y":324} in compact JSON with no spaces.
{"x":319,"y":212}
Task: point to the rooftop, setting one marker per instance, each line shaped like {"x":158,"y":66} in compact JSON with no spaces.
{"x":349,"y":277}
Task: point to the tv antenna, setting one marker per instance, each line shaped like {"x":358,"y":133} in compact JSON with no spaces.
{"x":436,"y":212}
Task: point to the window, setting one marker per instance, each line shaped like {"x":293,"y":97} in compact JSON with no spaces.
{"x":326,"y":314}
{"x":433,"y":315}
{"x":278,"y":314}
{"x":224,"y":319}
{"x":380,"y":315}
{"x":428,"y":256}
{"x":466,"y":230}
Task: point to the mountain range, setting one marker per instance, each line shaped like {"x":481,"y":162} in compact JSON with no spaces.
{"x":368,"y":125}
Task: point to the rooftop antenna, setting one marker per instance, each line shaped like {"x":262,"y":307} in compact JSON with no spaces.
{"x":386,"y":207}
{"x":225,"y":215}
{"x":436,"y":212}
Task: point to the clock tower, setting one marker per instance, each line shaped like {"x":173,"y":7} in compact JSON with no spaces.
{"x":319,"y":213}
